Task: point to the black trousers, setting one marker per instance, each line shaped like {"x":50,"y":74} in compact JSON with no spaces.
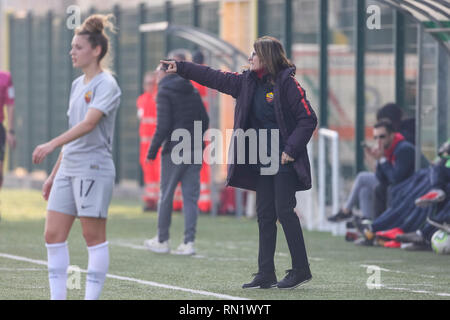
{"x":275,"y":199}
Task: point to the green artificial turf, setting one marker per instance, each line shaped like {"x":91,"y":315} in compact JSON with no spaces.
{"x":226,"y":258}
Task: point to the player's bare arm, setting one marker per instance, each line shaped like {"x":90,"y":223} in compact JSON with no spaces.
{"x":91,"y":120}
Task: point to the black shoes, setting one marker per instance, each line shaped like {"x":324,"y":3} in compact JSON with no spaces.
{"x":262,"y":281}
{"x":340,"y":216}
{"x":364,"y":227}
{"x":294,"y":278}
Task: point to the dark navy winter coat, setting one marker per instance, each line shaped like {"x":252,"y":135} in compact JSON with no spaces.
{"x":179,"y":105}
{"x":295,"y":117}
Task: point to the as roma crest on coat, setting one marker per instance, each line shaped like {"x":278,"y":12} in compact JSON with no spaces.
{"x":269,"y":97}
{"x":88,"y":96}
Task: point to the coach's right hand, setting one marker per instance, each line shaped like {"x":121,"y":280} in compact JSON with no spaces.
{"x":171,"y":66}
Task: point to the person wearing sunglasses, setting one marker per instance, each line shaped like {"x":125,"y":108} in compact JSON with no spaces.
{"x":395,"y":163}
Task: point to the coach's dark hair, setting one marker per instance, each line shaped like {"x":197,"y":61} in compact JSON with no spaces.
{"x":94,"y":27}
{"x":271,"y":53}
{"x":385,"y":123}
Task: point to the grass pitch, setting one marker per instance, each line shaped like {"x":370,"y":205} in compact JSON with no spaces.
{"x":226,"y":258}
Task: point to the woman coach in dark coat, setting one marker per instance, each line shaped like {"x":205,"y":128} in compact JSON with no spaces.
{"x":268,"y":97}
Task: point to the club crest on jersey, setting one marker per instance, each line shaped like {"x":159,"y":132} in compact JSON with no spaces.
{"x":88,"y":96}
{"x":269,"y":97}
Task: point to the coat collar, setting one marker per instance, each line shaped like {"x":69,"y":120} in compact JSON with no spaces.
{"x":282,"y":75}
{"x":285,"y":73}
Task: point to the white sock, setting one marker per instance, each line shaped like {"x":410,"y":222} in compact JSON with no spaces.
{"x":97,"y":268}
{"x":58,"y":262}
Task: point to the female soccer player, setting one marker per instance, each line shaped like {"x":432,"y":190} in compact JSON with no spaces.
{"x":81,"y":182}
{"x":268,"y":97}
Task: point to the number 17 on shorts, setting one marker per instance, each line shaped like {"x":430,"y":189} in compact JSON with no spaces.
{"x":93,"y":195}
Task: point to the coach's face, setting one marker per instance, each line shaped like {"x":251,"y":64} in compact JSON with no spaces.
{"x":255,"y":62}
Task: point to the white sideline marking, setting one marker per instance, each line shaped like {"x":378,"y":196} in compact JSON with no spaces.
{"x":149,"y":283}
{"x":398,"y":271}
{"x":197,"y":256}
{"x":441,"y":294}
{"x":23,"y":269}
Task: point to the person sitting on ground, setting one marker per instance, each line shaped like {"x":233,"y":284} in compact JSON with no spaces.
{"x":403,"y":215}
{"x":437,"y":197}
{"x":439,"y":218}
{"x":439,"y":176}
{"x":414,"y":219}
{"x":395,"y":163}
{"x":433,"y":207}
{"x":420,"y":239}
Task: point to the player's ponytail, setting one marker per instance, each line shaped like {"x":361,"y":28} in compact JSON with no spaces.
{"x":94,"y":27}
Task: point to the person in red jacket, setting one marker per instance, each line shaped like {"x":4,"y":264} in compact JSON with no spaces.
{"x":6,"y":98}
{"x":146,"y":111}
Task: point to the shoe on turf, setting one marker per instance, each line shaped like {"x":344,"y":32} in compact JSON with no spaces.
{"x":363,"y":242}
{"x":389,"y":234}
{"x":444,"y":226}
{"x":379,"y":242}
{"x":363,"y":227}
{"x":351,"y":235}
{"x":154,"y":245}
{"x":411,"y":237}
{"x":340,"y":216}
{"x":294,"y":278}
{"x":185,"y":249}
{"x":262,"y":280}
{"x":392,"y":244}
{"x":434,"y":196}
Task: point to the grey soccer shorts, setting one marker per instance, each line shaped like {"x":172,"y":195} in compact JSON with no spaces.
{"x":81,"y":196}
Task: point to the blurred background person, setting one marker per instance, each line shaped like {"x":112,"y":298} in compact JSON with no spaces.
{"x":6,"y":136}
{"x":146,"y":111}
{"x":179,"y":106}
{"x":179,"y":54}
{"x":6,"y":98}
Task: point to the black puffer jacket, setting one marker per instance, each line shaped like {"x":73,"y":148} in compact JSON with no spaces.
{"x":295,"y":117}
{"x":178,"y":105}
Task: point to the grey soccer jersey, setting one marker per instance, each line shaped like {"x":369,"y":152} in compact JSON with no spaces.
{"x":91,"y":154}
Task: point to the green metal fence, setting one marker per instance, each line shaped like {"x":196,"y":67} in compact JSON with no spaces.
{"x":43,"y":73}
{"x":338,"y":61}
